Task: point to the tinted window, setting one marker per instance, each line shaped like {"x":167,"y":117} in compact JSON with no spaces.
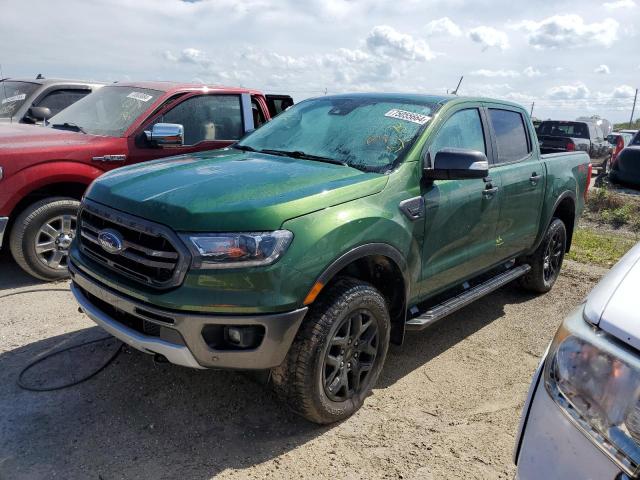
{"x":258,"y":114}
{"x":564,"y":129}
{"x":462,"y":130}
{"x":58,"y":100}
{"x":278,"y":104}
{"x":511,"y":136}
{"x":207,"y":118}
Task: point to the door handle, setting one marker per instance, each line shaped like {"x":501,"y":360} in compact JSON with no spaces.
{"x":534,"y":178}
{"x":490,"y":191}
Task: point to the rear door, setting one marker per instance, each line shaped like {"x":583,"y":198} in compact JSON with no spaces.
{"x":522,"y":178}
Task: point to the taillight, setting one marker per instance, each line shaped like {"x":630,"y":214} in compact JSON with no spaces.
{"x":586,"y":188}
{"x":571,"y":146}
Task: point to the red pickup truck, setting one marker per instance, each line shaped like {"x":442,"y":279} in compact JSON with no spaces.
{"x":44,"y":171}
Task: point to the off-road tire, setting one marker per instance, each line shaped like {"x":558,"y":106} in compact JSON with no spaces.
{"x":300,"y":380}
{"x":536,"y":280}
{"x":26,"y":227}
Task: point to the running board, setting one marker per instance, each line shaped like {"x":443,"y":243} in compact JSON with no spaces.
{"x":465,"y":298}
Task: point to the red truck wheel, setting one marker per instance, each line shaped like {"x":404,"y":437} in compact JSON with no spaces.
{"x":41,"y":236}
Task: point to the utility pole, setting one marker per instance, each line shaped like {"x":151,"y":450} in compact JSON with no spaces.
{"x":455,"y":92}
{"x":633,"y":109}
{"x":532,"y":105}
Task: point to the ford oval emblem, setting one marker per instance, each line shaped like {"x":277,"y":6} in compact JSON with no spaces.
{"x":111,"y":241}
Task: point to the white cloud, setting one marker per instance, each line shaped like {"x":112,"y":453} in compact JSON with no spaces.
{"x":531,"y":72}
{"x":619,"y":4}
{"x":576,"y":91}
{"x":603,"y":69}
{"x":489,"y":37}
{"x":385,"y":40}
{"x":569,"y":31}
{"x":189,"y":55}
{"x":443,"y":26}
{"x":495,"y":73}
{"x":623,"y":91}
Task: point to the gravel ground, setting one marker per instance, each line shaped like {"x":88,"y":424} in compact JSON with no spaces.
{"x":447,"y":405}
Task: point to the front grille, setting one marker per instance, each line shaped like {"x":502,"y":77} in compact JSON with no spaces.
{"x":151,"y":254}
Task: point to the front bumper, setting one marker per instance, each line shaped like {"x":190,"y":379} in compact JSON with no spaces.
{"x":177,"y":335}
{"x":4,"y":221}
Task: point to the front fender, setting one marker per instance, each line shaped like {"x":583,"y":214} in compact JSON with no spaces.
{"x":17,"y":186}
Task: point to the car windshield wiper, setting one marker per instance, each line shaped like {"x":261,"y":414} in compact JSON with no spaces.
{"x":305,"y":156}
{"x":68,"y":126}
{"x":244,"y":148}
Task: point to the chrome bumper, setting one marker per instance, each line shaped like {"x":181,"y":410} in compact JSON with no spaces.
{"x":180,"y":339}
{"x":3,"y":227}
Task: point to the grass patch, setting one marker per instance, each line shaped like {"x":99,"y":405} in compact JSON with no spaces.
{"x":604,"y":249}
{"x":610,"y":208}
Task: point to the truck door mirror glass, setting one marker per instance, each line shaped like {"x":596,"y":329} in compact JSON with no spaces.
{"x":39,"y":114}
{"x":166,"y":134}
{"x":458,"y":164}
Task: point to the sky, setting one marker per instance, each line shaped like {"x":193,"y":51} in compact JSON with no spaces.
{"x":572,"y":58}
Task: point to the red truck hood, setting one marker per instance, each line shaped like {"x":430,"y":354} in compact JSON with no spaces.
{"x":24,"y":145}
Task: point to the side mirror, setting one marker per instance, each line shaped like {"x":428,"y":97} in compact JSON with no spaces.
{"x":39,"y":114}
{"x":458,"y":164}
{"x":166,"y":134}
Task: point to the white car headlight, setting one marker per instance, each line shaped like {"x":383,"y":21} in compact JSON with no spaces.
{"x":237,"y":250}
{"x":600,"y":391}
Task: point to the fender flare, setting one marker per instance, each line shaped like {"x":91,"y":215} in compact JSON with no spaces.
{"x":366,"y":250}
{"x":564,"y":195}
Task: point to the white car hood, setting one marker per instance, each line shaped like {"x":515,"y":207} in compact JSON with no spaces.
{"x":614,"y":304}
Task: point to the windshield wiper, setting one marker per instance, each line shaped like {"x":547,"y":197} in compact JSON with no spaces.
{"x":68,"y":126}
{"x":244,"y":148}
{"x":304,"y":156}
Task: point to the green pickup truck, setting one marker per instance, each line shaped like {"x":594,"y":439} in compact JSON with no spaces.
{"x":315,"y":241}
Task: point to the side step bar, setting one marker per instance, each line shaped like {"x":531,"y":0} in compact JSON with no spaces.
{"x":465,"y":298}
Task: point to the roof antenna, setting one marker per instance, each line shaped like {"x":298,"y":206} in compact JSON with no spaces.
{"x":455,"y":92}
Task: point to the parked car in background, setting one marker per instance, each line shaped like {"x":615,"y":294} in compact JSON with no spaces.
{"x":617,"y":140}
{"x":34,"y":101}
{"x":44,"y":171}
{"x":568,"y":136}
{"x":626,"y":167}
{"x":581,"y":418}
{"x":313,"y":242}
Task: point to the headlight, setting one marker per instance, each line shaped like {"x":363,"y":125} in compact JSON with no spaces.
{"x":600,"y":391}
{"x":237,"y":250}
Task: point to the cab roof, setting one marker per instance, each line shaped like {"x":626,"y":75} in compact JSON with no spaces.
{"x":176,"y":87}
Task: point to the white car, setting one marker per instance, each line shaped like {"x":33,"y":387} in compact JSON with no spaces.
{"x":581,"y":419}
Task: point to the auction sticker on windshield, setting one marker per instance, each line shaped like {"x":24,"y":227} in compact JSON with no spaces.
{"x":140,"y":96}
{"x":15,"y":98}
{"x":408,"y":116}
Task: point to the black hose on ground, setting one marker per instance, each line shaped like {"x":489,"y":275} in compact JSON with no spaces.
{"x":30,"y":388}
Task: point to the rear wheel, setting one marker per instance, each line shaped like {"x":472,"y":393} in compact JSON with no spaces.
{"x":546,"y":261}
{"x":41,"y":236}
{"x":338,"y":353}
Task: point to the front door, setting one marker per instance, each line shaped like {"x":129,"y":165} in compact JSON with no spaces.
{"x":522,"y":177}
{"x":461,"y":215}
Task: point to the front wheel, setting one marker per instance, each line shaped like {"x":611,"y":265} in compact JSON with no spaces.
{"x":41,"y":236}
{"x":546,"y":261}
{"x":337,"y":355}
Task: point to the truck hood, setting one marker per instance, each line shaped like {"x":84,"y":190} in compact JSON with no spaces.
{"x":228,"y":190}
{"x":613,"y":304}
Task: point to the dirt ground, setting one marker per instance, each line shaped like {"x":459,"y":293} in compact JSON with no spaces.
{"x":447,"y":405}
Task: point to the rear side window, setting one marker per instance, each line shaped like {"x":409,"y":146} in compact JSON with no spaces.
{"x":58,"y":100}
{"x":511,"y":135}
{"x":462,"y":130}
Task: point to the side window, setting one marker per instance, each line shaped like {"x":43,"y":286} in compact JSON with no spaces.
{"x":207,"y":118}
{"x":58,"y":100}
{"x":462,"y":130}
{"x":511,"y":135}
{"x":258,"y":114}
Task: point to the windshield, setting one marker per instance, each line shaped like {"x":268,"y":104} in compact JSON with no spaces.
{"x":365,"y":132}
{"x":564,"y":129}
{"x":13,"y":95}
{"x":108,"y":111}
